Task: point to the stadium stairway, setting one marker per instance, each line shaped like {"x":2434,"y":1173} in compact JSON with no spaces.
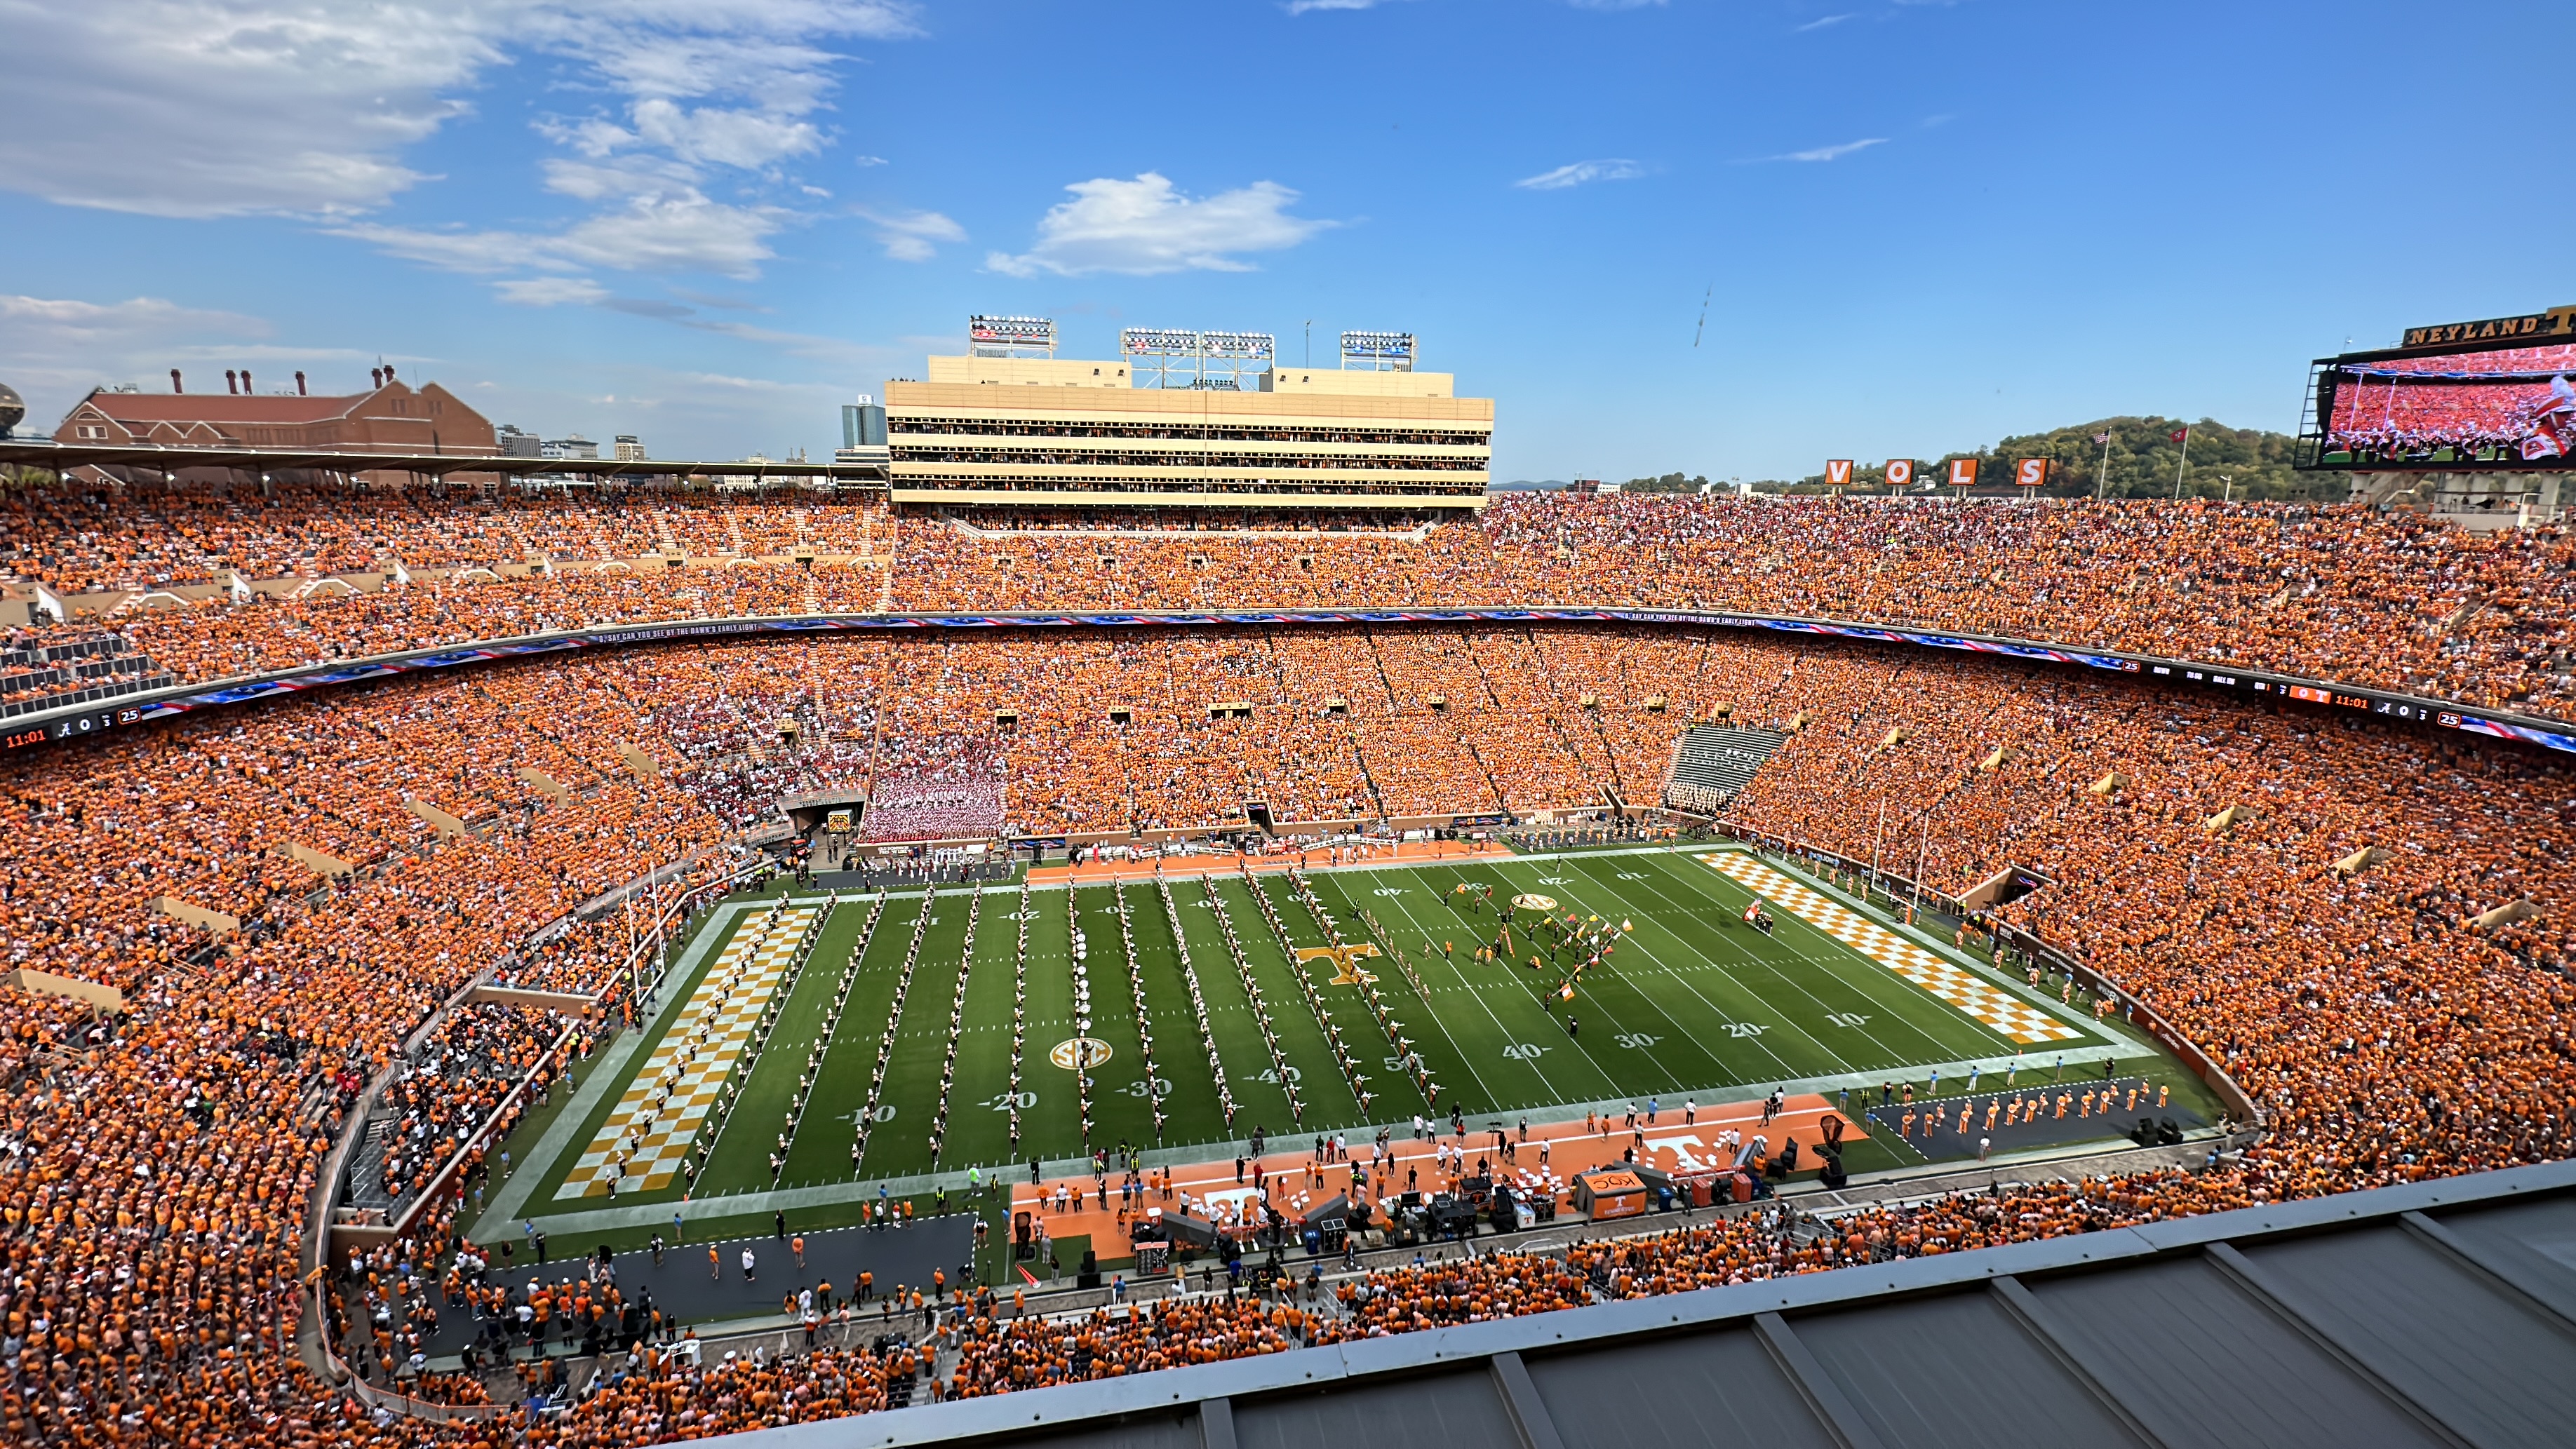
{"x":1713,"y":763}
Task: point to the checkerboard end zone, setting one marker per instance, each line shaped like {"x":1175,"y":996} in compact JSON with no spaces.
{"x":2007,"y":1014}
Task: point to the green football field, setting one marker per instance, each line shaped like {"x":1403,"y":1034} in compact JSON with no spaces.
{"x":1692,"y":1003}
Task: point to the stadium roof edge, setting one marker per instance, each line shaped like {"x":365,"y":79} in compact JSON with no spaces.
{"x":56,"y":457}
{"x":2479,"y":1263}
{"x":37,"y":727}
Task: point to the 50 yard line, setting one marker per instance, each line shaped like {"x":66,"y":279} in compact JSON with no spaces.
{"x":1511,"y":1038}
{"x":1617,"y":1025}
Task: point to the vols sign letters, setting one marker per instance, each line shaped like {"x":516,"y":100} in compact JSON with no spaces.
{"x":2031,"y":473}
{"x":1963,"y":472}
{"x":1900,"y":472}
{"x":1838,"y":472}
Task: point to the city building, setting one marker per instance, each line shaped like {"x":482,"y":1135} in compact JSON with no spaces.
{"x":630,"y":449}
{"x":390,"y":417}
{"x":1183,"y":419}
{"x":863,"y":432}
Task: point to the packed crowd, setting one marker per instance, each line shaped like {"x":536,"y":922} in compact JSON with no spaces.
{"x":450,"y":1086}
{"x":2385,"y":600}
{"x":82,"y":538}
{"x":159,"y":1165}
{"x":944,"y":788}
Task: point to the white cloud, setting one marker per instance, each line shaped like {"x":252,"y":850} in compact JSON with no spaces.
{"x":684,"y":232}
{"x":1830,"y":153}
{"x":220,"y":107}
{"x":618,"y":178}
{"x":70,"y":319}
{"x":1612,"y":4}
{"x":912,"y":236}
{"x":453,"y":249}
{"x":552,"y":291}
{"x":669,"y":231}
{"x":1819,"y":23}
{"x":719,"y":136}
{"x":1145,"y":227}
{"x":1578,"y":172}
{"x":1300,"y":7}
{"x":55,"y":349}
{"x":199,"y":108}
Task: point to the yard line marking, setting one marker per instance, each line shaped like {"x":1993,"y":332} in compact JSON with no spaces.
{"x":2008,"y":1015}
{"x":1786,"y":1019}
{"x":1464,"y":1059}
{"x":724,"y":1008}
{"x":1832,"y":968}
{"x":1681,"y":1034}
{"x":1510,"y":1036}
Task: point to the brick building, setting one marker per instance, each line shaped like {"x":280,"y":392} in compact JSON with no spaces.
{"x":393,"y":417}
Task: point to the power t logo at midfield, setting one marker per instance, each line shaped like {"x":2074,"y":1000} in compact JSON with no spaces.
{"x":1344,"y":972}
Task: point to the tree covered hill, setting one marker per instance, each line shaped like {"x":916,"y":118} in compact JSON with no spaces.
{"x":2139,"y":461}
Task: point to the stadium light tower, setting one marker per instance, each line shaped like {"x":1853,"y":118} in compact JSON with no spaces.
{"x":1164,"y":357}
{"x":1377,"y":351}
{"x":1010,"y":336}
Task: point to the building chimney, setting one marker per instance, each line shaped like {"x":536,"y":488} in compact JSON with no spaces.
{"x":299,"y":382}
{"x":389,"y":373}
{"x":228,"y":382}
{"x":245,"y":382}
{"x":375,"y":377}
{"x":174,"y":381}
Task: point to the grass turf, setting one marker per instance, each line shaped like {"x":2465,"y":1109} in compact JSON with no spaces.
{"x":1691,"y":1004}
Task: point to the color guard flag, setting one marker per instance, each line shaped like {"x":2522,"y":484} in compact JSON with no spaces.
{"x":2031,"y":472}
{"x":1900,"y":473}
{"x":1838,"y":472}
{"x":1963,"y":472}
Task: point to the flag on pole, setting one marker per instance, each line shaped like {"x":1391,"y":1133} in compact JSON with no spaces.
{"x":2179,"y":434}
{"x":2102,"y":437}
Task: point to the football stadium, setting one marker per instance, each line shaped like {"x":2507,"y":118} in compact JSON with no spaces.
{"x":1632,"y":725}
{"x":666,"y":957}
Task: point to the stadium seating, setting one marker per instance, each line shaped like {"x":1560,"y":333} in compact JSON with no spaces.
{"x":2390,"y":601}
{"x":159,"y":1163}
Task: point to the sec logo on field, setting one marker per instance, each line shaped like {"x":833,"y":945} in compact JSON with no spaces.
{"x":1080,"y":1053}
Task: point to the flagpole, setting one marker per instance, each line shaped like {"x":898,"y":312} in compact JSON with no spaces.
{"x":1922,"y":863}
{"x":1878,"y":845}
{"x":2185,"y":463}
{"x":2102,"y":484}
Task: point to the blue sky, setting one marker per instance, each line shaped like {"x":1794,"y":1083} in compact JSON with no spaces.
{"x":1918,"y":226}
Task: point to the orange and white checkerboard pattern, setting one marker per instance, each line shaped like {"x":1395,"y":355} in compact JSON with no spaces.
{"x":2008,"y":1014}
{"x":694,"y":1059}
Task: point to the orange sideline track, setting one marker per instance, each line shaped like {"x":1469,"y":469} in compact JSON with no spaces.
{"x":1570,"y":1151}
